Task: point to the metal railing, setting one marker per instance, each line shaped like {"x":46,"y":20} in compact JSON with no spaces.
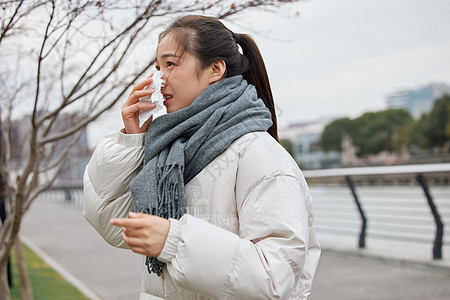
{"x":385,"y":219}
{"x":418,"y":171}
{"x":70,"y":192}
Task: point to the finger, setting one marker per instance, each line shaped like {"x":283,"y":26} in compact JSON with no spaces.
{"x":145,"y":105}
{"x":136,"y":222}
{"x":142,"y":84}
{"x":138,"y":245}
{"x":143,"y":93}
{"x":136,"y":95}
{"x":134,"y":215}
{"x":133,"y":241}
{"x":132,"y":232}
{"x":126,"y":222}
{"x":129,"y":111}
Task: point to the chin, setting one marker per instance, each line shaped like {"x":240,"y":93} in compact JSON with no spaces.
{"x":170,"y":110}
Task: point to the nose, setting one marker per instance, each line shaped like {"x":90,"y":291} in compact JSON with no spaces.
{"x":165,"y":81}
{"x":166,"y":76}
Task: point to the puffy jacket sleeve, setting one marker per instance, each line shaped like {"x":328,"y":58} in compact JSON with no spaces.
{"x":266,"y":259}
{"x":114,"y":163}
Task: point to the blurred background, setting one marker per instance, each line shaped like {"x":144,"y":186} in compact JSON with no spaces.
{"x":362,"y":90}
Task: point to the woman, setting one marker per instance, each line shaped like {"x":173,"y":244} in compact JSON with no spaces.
{"x":206,"y":193}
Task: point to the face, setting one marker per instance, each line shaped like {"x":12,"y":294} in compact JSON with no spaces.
{"x":183,"y":80}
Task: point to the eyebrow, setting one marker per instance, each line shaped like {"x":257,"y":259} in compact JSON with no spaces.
{"x":169,"y":55}
{"x":165,"y":55}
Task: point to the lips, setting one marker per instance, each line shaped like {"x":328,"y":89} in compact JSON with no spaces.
{"x":167,"y":97}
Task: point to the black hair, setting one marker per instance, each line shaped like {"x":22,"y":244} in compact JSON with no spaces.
{"x":209,"y":40}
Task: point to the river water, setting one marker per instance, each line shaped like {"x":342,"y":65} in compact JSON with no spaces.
{"x":399,"y":219}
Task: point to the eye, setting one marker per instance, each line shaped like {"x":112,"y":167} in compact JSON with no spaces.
{"x":169,"y":64}
{"x":157,"y":68}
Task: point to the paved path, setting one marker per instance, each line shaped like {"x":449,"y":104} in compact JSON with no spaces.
{"x":61,"y":232}
{"x":63,"y":236}
{"x":348,"y":277}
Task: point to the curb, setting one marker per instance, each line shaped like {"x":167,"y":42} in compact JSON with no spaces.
{"x":62,"y":271}
{"x":425,"y":265}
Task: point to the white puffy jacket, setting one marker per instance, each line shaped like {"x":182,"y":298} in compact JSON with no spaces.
{"x":247,"y":233}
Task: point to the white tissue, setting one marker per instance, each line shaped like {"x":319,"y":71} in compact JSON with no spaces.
{"x":157,"y":97}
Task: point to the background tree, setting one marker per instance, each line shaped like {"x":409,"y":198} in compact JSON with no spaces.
{"x":334,"y":132}
{"x":434,"y":126}
{"x":431,"y":132}
{"x":370,"y":133}
{"x":288,"y":145}
{"x":376,"y":130}
{"x":64,"y":64}
{"x":405,"y":135}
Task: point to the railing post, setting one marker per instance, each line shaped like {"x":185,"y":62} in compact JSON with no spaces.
{"x":68,"y":197}
{"x":362,"y":234}
{"x":437,"y":247}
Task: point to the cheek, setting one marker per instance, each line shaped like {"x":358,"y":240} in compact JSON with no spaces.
{"x":185,"y":86}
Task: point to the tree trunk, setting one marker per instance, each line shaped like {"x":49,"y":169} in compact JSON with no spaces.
{"x":23,"y":272}
{"x":4,"y":288}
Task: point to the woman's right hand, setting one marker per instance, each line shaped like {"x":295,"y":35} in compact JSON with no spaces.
{"x":131,"y":107}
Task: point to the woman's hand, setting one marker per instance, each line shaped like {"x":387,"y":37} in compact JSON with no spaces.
{"x":145,"y":234}
{"x":131,"y":107}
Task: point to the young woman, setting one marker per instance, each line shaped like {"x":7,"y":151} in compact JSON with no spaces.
{"x":206,"y":193}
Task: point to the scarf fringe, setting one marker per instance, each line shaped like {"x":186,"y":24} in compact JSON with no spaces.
{"x":180,"y":144}
{"x":154,"y":265}
{"x":171,"y":204}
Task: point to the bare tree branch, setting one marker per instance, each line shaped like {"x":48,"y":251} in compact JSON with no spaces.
{"x":89,"y":119}
{"x":39,"y":65}
{"x":86,"y":55}
{"x":56,"y":167}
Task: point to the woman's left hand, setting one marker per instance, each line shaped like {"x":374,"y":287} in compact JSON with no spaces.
{"x":145,"y":234}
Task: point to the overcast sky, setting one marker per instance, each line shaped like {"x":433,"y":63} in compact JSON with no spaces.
{"x":345,"y":56}
{"x":342,"y":57}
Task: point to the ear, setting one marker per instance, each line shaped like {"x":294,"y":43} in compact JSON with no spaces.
{"x":217,"y":70}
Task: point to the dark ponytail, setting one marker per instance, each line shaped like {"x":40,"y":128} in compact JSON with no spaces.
{"x":257,"y":76}
{"x":209,"y":41}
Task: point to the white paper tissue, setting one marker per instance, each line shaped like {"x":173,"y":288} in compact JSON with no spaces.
{"x":157,"y":97}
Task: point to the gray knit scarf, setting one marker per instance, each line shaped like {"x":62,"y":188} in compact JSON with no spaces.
{"x":179,"y":145}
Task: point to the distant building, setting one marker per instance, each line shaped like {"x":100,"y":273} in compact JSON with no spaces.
{"x":417,"y":101}
{"x":305,"y":138}
{"x":75,"y":162}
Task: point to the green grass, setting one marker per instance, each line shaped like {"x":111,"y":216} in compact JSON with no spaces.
{"x":46,"y":283}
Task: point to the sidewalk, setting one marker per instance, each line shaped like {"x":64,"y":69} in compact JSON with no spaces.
{"x":61,"y":234}
{"x":345,"y":276}
{"x":60,"y":231}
